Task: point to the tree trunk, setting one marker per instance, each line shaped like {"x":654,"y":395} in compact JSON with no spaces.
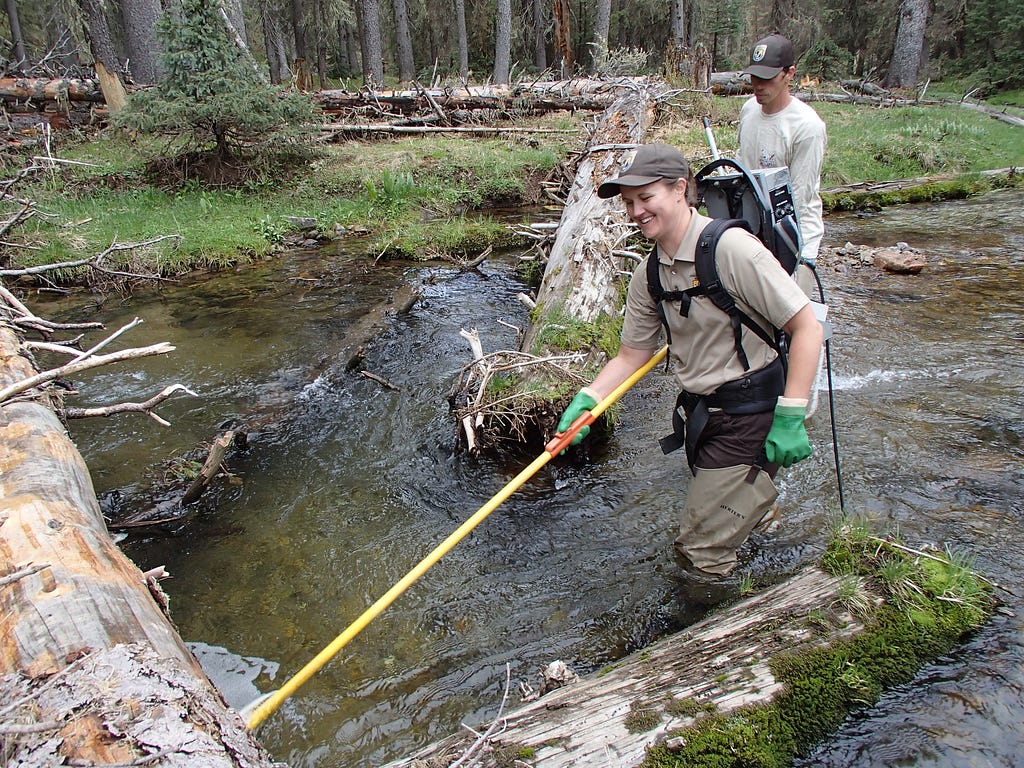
{"x":235,"y":14}
{"x":502,"y":42}
{"x":403,"y":43}
{"x":581,"y":279}
{"x":352,"y":49}
{"x":373,"y":58}
{"x":299,"y":29}
{"x":602,"y":26}
{"x":17,"y":41}
{"x":678,"y":23}
{"x":273,"y":41}
{"x":540,"y":49}
{"x":140,"y":18}
{"x":909,"y":49}
{"x":460,"y":30}
{"x":101,"y":47}
{"x":85,"y":635}
{"x":318,"y":47}
{"x":563,"y":38}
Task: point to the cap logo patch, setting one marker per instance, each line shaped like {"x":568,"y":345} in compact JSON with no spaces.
{"x":759,"y":52}
{"x":627,"y":160}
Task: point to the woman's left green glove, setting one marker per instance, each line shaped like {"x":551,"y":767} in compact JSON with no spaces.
{"x":787,"y":441}
{"x":583,"y":402}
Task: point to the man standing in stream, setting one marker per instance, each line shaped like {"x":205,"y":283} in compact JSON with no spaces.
{"x":779,"y":130}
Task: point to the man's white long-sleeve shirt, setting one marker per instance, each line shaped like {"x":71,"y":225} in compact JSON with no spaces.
{"x":794,"y":137}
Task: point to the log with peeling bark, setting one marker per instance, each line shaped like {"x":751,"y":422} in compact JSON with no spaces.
{"x":720,"y":664}
{"x":585,"y":270}
{"x":47,"y":89}
{"x":88,"y":656}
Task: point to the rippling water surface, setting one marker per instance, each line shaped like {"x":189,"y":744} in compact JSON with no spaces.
{"x":347,"y":484}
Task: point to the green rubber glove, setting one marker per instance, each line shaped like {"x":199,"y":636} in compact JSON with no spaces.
{"x":584,"y":401}
{"x":787,"y":441}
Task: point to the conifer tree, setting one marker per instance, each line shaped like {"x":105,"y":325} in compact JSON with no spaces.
{"x":211,"y":94}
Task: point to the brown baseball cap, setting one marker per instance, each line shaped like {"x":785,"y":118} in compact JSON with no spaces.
{"x":769,"y":56}
{"x":648,"y":164}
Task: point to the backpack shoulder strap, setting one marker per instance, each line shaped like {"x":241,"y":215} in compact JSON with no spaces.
{"x":660,"y":295}
{"x":711,"y":285}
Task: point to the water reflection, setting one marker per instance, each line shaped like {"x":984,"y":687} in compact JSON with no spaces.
{"x":350,"y":484}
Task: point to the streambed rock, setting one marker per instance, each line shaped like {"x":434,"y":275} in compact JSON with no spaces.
{"x":900,"y":258}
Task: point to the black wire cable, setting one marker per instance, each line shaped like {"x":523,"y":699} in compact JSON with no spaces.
{"x":831,"y":397}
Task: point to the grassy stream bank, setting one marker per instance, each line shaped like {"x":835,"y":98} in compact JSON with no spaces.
{"x":424,"y":197}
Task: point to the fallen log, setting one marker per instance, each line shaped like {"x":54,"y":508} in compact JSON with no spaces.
{"x":86,"y":648}
{"x":47,"y":89}
{"x":757,"y":681}
{"x":344,"y":130}
{"x":719,"y":664}
{"x":579,"y":299}
{"x":872,"y":195}
{"x":729,"y":84}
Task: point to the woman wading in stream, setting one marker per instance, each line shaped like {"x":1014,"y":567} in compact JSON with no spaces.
{"x":741,"y":424}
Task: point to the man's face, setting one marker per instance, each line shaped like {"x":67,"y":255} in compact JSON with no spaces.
{"x":773,"y":94}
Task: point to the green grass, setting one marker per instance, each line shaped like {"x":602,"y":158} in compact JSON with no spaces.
{"x":417,"y":198}
{"x":427,"y":196}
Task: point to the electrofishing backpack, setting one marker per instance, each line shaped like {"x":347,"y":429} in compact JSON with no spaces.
{"x":760,"y":202}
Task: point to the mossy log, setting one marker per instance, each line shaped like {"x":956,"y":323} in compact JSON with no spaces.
{"x":92,"y":671}
{"x":761,"y":681}
{"x":610,"y":718}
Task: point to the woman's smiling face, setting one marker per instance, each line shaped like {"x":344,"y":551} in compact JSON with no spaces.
{"x":659,"y":210}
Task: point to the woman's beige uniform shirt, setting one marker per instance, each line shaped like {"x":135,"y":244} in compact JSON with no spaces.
{"x":702,"y":343}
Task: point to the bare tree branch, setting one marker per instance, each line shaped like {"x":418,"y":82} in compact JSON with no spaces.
{"x":145,"y":407}
{"x":28,"y":570}
{"x":76,"y":367}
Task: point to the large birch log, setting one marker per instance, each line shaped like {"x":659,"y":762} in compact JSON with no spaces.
{"x":87,"y":653}
{"x":720,"y":664}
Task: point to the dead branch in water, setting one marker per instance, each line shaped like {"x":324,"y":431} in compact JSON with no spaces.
{"x":145,"y":407}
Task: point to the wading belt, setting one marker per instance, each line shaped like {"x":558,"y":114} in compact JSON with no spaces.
{"x":754,"y":393}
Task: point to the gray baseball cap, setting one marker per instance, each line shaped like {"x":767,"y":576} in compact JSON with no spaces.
{"x":650,"y":163}
{"x":769,"y":56}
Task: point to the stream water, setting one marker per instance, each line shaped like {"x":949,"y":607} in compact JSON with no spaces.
{"x":351,"y":483}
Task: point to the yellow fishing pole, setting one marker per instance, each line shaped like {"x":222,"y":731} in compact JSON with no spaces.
{"x":261,"y":708}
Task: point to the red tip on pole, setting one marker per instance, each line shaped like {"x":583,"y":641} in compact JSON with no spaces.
{"x":561,"y":440}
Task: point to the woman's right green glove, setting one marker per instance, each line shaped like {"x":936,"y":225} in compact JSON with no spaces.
{"x":584,"y":401}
